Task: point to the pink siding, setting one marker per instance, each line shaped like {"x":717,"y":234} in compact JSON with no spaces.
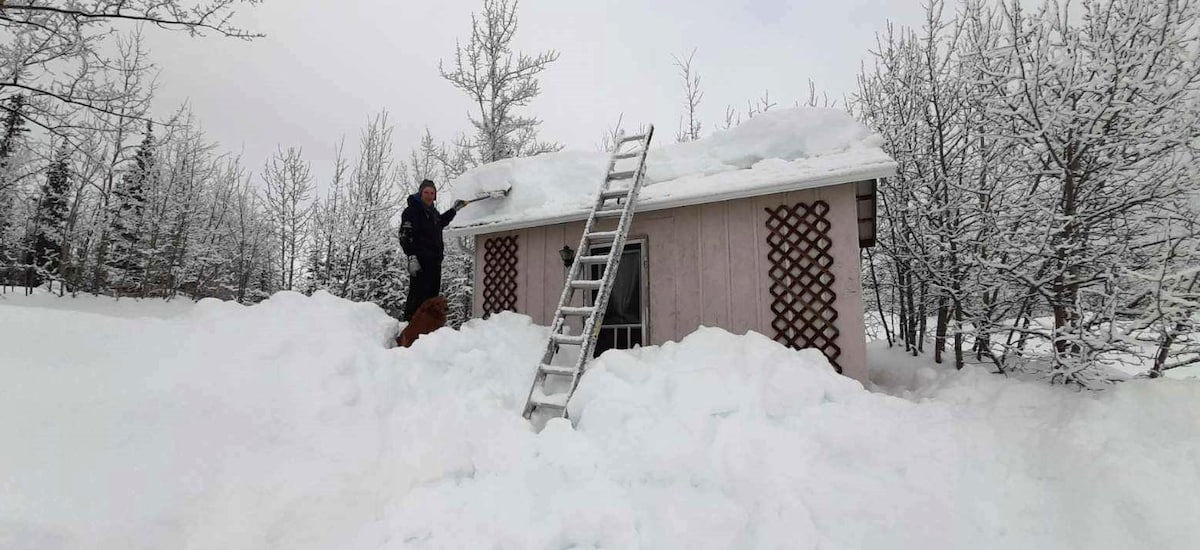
{"x":555,"y":276}
{"x":685,"y":248}
{"x":715,"y":273}
{"x":659,"y":234}
{"x":744,"y":263}
{"x":536,"y":270}
{"x":477,"y":299}
{"x":707,"y":266}
{"x":848,"y":278}
{"x":523,"y":275}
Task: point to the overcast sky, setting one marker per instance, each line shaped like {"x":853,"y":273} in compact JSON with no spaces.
{"x":325,"y":67}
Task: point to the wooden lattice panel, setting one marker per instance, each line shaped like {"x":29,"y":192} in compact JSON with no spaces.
{"x":499,"y":275}
{"x":802,"y":296}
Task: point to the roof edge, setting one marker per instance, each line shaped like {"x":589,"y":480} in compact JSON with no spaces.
{"x":881,"y":170}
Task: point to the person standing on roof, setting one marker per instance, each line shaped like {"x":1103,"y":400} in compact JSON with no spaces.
{"x":421,"y":238}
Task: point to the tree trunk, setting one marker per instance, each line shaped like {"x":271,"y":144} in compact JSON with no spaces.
{"x":939,"y":338}
{"x":958,"y":334}
{"x":921,"y":317}
{"x":878,"y":298}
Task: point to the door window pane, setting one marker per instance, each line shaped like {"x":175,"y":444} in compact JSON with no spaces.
{"x":622,"y":323}
{"x":625,"y":298}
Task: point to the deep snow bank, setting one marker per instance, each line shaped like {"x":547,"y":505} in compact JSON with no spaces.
{"x":290,"y":425}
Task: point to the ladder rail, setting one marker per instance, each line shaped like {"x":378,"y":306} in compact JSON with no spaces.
{"x":575,"y":271}
{"x":564,"y":299}
{"x":616,"y":249}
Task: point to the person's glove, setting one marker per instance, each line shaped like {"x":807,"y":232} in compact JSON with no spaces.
{"x":458,"y":204}
{"x":413,"y":265}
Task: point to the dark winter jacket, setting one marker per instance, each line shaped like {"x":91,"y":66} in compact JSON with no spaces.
{"x":421,"y":229}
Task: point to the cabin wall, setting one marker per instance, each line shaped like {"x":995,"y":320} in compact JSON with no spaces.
{"x":707,"y":265}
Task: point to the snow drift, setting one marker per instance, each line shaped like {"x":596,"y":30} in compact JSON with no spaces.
{"x":290,"y":425}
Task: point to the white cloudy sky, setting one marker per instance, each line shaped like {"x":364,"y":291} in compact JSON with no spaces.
{"x":326,"y":66}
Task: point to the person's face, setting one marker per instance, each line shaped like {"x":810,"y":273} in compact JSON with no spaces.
{"x":428,"y":195}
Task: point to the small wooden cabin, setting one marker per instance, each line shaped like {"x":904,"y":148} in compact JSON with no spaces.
{"x":757,"y":228}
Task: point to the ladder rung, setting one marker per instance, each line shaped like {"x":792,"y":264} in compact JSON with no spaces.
{"x":572,"y":339}
{"x":629,"y":155}
{"x":617,"y":194}
{"x":591,"y":285}
{"x":550,"y":404}
{"x":603,"y":235}
{"x":598,"y":259}
{"x":621,"y":175}
{"x":561,"y":371}
{"x":557,"y":401}
{"x":609,"y":213}
{"x":577,"y":311}
{"x":638,"y":137}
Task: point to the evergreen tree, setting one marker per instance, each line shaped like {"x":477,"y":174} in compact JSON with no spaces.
{"x":46,"y":239}
{"x":126,"y":257}
{"x":12,"y":130}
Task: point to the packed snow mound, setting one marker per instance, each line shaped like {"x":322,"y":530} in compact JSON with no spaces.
{"x":797,"y":148}
{"x":292,"y":424}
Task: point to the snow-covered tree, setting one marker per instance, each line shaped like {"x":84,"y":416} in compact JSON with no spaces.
{"x":12,"y":146}
{"x":1167,"y":305}
{"x":498,"y":83}
{"x":45,"y":244}
{"x":1106,"y":110}
{"x":1037,"y":150}
{"x":371,"y":202}
{"x":289,"y":186}
{"x":106,"y":142}
{"x":249,"y":238}
{"x":425,"y":162}
{"x":59,"y":55}
{"x":328,"y":229}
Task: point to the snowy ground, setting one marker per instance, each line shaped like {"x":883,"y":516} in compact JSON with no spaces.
{"x":291,"y":425}
{"x":1117,"y":365}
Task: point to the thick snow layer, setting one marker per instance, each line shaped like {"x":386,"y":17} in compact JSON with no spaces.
{"x":780,"y":150}
{"x":101,"y":305}
{"x":290,"y":425}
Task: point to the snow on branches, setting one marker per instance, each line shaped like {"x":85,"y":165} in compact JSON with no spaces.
{"x":1039,"y":151}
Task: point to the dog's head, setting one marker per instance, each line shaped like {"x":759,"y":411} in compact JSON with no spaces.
{"x":436,"y":307}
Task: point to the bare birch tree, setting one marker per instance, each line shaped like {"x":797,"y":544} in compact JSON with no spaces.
{"x":288,"y":191}
{"x":1038,"y":151}
{"x":498,"y":83}
{"x":689,"y":123}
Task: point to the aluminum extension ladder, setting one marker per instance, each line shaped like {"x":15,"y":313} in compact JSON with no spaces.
{"x":553,"y":384}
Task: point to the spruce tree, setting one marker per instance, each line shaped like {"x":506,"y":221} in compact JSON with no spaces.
{"x":127,"y":222}
{"x":12,"y":130}
{"x":45,"y":250}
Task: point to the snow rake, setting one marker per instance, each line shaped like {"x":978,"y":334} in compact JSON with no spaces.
{"x":493,"y":194}
{"x":554,"y":384}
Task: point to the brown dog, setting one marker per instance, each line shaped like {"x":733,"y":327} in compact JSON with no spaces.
{"x":428,"y":318}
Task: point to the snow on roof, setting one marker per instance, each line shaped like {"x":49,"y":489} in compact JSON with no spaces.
{"x":774,"y":152}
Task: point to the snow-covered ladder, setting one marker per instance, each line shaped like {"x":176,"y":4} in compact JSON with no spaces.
{"x":564,"y":379}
